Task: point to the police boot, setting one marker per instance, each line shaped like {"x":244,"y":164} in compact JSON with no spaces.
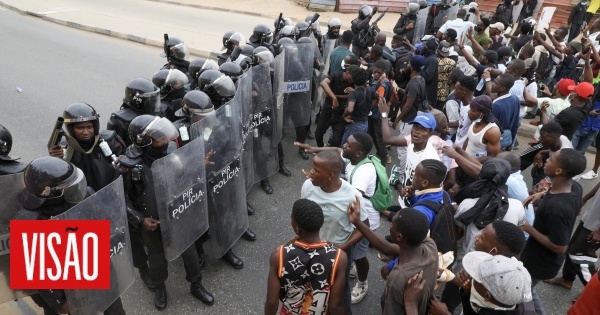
{"x":266,"y":186}
{"x":303,"y":154}
{"x":249,"y":235}
{"x":160,"y":297}
{"x":145,"y":276}
{"x":309,"y":134}
{"x":250,"y":209}
{"x":284,"y":170}
{"x":233,"y":260}
{"x":199,"y":292}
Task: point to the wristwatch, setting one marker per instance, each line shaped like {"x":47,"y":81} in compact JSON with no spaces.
{"x":488,"y":80}
{"x":383,"y":115}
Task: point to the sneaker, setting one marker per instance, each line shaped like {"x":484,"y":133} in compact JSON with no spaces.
{"x":353,"y":272}
{"x":359,"y":292}
{"x":589,"y":175}
{"x":576,"y":177}
{"x":516,"y":145}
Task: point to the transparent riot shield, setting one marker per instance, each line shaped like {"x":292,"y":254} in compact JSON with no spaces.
{"x":180,"y":192}
{"x":106,"y":204}
{"x":319,"y":94}
{"x":264,"y":124}
{"x":278,"y":74}
{"x":245,"y":94}
{"x":452,"y":11}
{"x":12,"y":186}
{"x":296,"y":85}
{"x":222,"y":136}
{"x":421,"y":23}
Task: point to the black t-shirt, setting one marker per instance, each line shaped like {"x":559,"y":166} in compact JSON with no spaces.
{"x":570,"y":119}
{"x":337,"y":86}
{"x":521,"y":41}
{"x":362,"y":98}
{"x":414,"y":89}
{"x":555,"y":218}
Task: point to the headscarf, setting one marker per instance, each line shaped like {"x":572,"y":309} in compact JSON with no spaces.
{"x":492,"y":192}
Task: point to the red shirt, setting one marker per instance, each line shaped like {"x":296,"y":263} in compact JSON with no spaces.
{"x":589,"y":300}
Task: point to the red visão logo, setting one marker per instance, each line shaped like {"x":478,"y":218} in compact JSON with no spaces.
{"x":60,"y":254}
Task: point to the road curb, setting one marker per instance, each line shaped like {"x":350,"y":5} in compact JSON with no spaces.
{"x":103,"y":31}
{"x":207,"y":7}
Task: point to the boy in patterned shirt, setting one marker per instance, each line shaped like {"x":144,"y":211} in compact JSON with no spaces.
{"x":306,"y":275}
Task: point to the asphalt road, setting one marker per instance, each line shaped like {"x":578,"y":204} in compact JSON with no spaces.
{"x":56,"y":66}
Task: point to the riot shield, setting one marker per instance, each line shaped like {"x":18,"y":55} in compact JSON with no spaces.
{"x":264,"y":124}
{"x":106,"y":204}
{"x":319,"y":94}
{"x":452,"y":11}
{"x":296,"y":85}
{"x":12,"y":186}
{"x":421,"y":23}
{"x":180,"y":192}
{"x":245,"y":94}
{"x":278,"y":74}
{"x":222,"y":136}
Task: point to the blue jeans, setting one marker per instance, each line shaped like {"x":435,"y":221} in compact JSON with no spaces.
{"x":583,"y":138}
{"x":359,"y":126}
{"x":506,"y":139}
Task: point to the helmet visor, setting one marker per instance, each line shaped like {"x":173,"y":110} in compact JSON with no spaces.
{"x":224,"y":86}
{"x":160,"y":130}
{"x":76,"y":190}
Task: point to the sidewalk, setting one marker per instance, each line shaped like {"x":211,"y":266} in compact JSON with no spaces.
{"x":145,"y":21}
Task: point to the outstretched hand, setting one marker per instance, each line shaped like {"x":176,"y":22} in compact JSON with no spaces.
{"x":307,"y":148}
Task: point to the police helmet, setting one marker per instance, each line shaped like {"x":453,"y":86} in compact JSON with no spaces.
{"x":6,"y":142}
{"x":282,"y":23}
{"x":142,"y":95}
{"x":199,"y":65}
{"x":334,"y":24}
{"x":196,"y":105}
{"x":289,"y":31}
{"x":262,"y":55}
{"x":284,"y":42}
{"x":302,"y":27}
{"x":80,"y":112}
{"x":49,"y":177}
{"x":232,"y":70}
{"x":364,"y":12}
{"x":236,"y":39}
{"x":226,"y":37}
{"x":177,"y":48}
{"x":169,"y":79}
{"x":217,"y":85}
{"x":261,"y":35}
{"x":146,"y":129}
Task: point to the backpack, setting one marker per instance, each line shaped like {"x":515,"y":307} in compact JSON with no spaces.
{"x":442,"y":229}
{"x":544,"y":68}
{"x":382,"y":198}
{"x":402,"y":58}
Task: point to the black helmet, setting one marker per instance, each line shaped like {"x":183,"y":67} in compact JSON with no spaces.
{"x":80,"y":112}
{"x":226,"y":43}
{"x":282,"y":23}
{"x":217,"y":85}
{"x":364,"y":11}
{"x":196,"y":105}
{"x":262,"y":55}
{"x":284,"y":42}
{"x":5,"y":144}
{"x":305,"y":40}
{"x":232,"y":70}
{"x":235,"y":39}
{"x":169,"y":79}
{"x":142,"y":95}
{"x":289,"y":31}
{"x":49,"y":177}
{"x":302,"y":27}
{"x":146,"y":129}
{"x":197,"y":66}
{"x":261,"y":35}
{"x":177,"y":48}
{"x":247,"y":51}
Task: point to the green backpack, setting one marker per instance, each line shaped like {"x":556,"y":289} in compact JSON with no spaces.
{"x":382,"y":198}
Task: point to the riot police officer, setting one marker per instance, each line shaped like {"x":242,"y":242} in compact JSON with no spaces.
{"x":289,"y":31}
{"x":233,"y":70}
{"x":261,"y":36}
{"x":219,"y":87}
{"x":151,"y":136}
{"x":53,"y":186}
{"x":333,"y":32}
{"x":172,"y":84}
{"x":315,"y":29}
{"x":233,"y":42}
{"x":141,"y":97}
{"x":227,"y":46}
{"x":8,"y":165}
{"x":176,"y":52}
{"x":279,"y":24}
{"x":359,"y":27}
{"x":197,"y":66}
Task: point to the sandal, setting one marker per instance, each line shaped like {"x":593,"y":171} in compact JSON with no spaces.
{"x":560,"y":282}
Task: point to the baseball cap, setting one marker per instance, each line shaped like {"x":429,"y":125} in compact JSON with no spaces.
{"x":584,"y":90}
{"x":424,"y":119}
{"x":432,"y":44}
{"x":444,"y":48}
{"x":417,"y":62}
{"x":563,"y":86}
{"x":491,"y":55}
{"x":498,"y":25}
{"x":441,"y":122}
{"x":506,"y":278}
{"x":505,"y":51}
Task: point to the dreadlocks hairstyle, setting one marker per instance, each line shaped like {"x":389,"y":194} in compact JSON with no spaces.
{"x":509,"y":236}
{"x":365,"y":141}
{"x":571,"y":161}
{"x":434,"y":171}
{"x":413,"y":225}
{"x":308,"y":215}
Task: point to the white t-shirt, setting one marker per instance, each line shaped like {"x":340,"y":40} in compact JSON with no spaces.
{"x":460,"y":26}
{"x":463,"y":125}
{"x":517,"y":90}
{"x":515,"y":215}
{"x":412,"y":160}
{"x":453,"y":112}
{"x":365,"y":180}
{"x":532,"y":89}
{"x":566,"y":144}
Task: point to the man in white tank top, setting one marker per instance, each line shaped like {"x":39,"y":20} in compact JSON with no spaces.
{"x":483,"y":138}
